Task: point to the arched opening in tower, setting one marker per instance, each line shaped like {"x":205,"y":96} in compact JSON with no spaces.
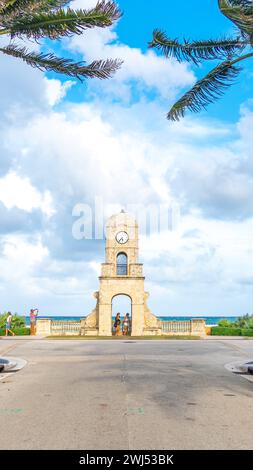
{"x":121,"y":315}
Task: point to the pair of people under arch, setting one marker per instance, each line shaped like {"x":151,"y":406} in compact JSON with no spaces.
{"x":122,"y":327}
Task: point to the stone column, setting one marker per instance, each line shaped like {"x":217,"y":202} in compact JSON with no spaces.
{"x":198,"y":327}
{"x":137,"y":319}
{"x":105,"y":319}
{"x":43,"y":327}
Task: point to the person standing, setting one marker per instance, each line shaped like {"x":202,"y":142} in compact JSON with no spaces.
{"x":117,"y":324}
{"x":33,"y":318}
{"x":8,"y":325}
{"x":126,"y":324}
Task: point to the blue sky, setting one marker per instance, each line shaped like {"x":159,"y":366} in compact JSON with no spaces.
{"x":63,"y":143}
{"x":191,"y":20}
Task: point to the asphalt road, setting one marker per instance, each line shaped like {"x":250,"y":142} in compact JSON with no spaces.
{"x":121,"y":395}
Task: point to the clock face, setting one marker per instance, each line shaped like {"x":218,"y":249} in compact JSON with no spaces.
{"x":122,"y":237}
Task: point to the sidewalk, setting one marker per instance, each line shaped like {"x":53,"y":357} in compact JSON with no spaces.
{"x":25,"y":337}
{"x":209,"y":337}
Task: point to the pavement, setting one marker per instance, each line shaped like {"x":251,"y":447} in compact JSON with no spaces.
{"x":126,"y":395}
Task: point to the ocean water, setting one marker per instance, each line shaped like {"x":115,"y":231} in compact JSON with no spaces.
{"x":209,"y":320}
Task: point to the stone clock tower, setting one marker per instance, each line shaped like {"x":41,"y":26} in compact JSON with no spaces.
{"x":121,"y":274}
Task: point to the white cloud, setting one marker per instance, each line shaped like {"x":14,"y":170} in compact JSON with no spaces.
{"x":16,"y":191}
{"x":89,"y":155}
{"x":205,"y":268}
{"x":20,"y":257}
{"x":149,"y":71}
{"x":22,"y":86}
{"x":56,"y":91}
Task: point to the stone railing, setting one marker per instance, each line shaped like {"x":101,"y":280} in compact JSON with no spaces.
{"x":195,"y":327}
{"x":47,"y":327}
{"x":175,"y":327}
{"x":65,"y":328}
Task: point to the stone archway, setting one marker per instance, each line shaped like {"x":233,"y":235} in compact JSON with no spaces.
{"x":121,"y":303}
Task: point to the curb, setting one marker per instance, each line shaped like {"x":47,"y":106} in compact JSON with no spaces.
{"x":245,"y":369}
{"x":12,"y":364}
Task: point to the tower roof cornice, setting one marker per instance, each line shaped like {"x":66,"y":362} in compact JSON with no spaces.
{"x":122,"y":218}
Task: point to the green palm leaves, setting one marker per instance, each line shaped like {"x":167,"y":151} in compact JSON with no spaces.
{"x":195,"y":51}
{"x":205,"y":91}
{"x":37,"y":19}
{"x":49,"y":62}
{"x":227,"y":50}
{"x":240,"y":12}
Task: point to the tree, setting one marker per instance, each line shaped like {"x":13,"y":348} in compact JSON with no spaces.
{"x":17,"y":320}
{"x":225,"y":323}
{"x":245,"y":322}
{"x":53,"y":19}
{"x":228,"y":51}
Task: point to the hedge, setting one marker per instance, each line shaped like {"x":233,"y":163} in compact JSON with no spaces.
{"x":228,"y":331}
{"x":247,"y":331}
{"x":225,"y":331}
{"x":17,"y":331}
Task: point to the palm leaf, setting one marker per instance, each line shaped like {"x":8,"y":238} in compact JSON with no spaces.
{"x":196,"y":51}
{"x":49,"y":62}
{"x":62,"y":22}
{"x":19,"y":6}
{"x":240,"y":12}
{"x":205,"y":91}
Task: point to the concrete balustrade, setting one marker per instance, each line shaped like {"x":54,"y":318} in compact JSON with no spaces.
{"x":47,"y":327}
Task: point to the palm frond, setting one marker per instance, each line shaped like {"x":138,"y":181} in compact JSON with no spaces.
{"x":62,"y":22}
{"x":19,"y":6}
{"x":245,"y":4}
{"x":240,"y":12}
{"x":101,"y":69}
{"x":197,"y":51}
{"x":205,"y":91}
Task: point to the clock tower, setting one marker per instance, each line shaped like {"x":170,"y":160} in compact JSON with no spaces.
{"x":121,"y":274}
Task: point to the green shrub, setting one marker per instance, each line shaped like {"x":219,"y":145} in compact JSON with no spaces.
{"x":244,"y":322}
{"x":18,"y":331}
{"x":247,"y":331}
{"x":225,"y":324}
{"x":225,"y":331}
{"x":17,"y":320}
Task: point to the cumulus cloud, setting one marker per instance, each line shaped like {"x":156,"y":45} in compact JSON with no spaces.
{"x":55,"y":90}
{"x":18,"y":192}
{"x":206,"y":270}
{"x":141,"y":72}
{"x":219,"y":179}
{"x":91,"y":156}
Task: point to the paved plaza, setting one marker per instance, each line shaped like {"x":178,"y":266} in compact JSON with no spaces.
{"x":126,"y":395}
